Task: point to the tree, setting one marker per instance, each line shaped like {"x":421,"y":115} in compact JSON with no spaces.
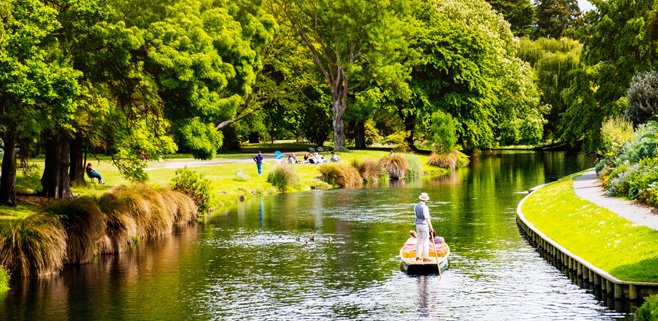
{"x":463,"y":62}
{"x":36,"y":90}
{"x":553,"y":61}
{"x":519,"y":13}
{"x":619,"y":41}
{"x":555,"y":18}
{"x":346,"y":39}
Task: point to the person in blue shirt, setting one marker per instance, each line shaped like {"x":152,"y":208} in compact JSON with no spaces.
{"x":259,"y":162}
{"x":92,"y":173}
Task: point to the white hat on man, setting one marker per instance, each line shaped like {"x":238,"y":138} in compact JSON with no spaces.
{"x":424,"y":197}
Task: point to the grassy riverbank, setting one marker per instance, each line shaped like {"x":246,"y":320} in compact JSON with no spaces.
{"x":121,"y":212}
{"x":612,"y":243}
{"x":232,"y":177}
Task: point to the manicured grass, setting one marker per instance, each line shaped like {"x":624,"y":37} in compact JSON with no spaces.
{"x":614,"y":244}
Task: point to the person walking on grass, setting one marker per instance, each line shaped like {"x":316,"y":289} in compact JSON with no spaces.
{"x":259,"y":162}
{"x":423,"y":228}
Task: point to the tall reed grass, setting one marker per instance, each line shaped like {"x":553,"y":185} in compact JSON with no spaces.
{"x":283,"y":177}
{"x":369,"y":170}
{"x":342,"y":175}
{"x":452,"y":160}
{"x":33,"y":246}
{"x":75,"y":231}
{"x":395,"y":166}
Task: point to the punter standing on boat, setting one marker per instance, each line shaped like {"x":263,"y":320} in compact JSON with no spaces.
{"x":423,"y":227}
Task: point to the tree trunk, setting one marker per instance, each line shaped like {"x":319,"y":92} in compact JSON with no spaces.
{"x":55,"y":179}
{"x":231,"y":141}
{"x":8,"y":178}
{"x":338,"y":109}
{"x":77,"y":167}
{"x":360,"y":134}
{"x":409,"y":127}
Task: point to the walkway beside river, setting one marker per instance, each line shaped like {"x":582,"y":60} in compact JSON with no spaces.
{"x":588,"y":187}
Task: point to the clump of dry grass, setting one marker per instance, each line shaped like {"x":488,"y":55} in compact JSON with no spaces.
{"x":74,"y":231}
{"x":84,"y":224}
{"x":121,"y":227}
{"x":341,"y":175}
{"x":395,"y":166}
{"x":368,"y":169}
{"x":444,"y":160}
{"x":35,"y":246}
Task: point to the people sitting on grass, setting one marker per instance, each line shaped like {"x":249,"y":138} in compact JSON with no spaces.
{"x":292,"y":159}
{"x":92,"y":173}
{"x":334,"y":157}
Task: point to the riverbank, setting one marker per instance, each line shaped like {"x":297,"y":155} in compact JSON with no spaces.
{"x":231,"y":179}
{"x":608,"y":241}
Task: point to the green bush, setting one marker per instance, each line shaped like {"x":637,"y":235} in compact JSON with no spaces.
{"x":283,"y":177}
{"x":444,"y":132}
{"x":642,"y":97}
{"x":195,"y":186}
{"x":649,"y":309}
{"x":643,"y":146}
{"x":413,"y":168}
{"x":615,"y":132}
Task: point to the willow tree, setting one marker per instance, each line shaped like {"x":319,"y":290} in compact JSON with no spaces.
{"x":553,"y":61}
{"x":349,"y":41}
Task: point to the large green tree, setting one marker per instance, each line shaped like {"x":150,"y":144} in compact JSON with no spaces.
{"x":555,"y":18}
{"x":37,"y":87}
{"x":554,"y":61}
{"x":349,"y":41}
{"x":463,"y":61}
{"x":619,"y":39}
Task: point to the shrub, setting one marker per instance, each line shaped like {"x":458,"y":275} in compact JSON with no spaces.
{"x":649,"y":309}
{"x":395,"y":166}
{"x":642,"y":96}
{"x":33,"y":246}
{"x":444,"y":132}
{"x":413,"y":168}
{"x":196,"y":186}
{"x":643,"y":146}
{"x":615,"y":132}
{"x":283,"y":177}
{"x":341,"y":175}
{"x":398,"y":140}
{"x":368,"y":169}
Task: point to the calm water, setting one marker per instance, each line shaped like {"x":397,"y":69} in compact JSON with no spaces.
{"x":257,"y":263}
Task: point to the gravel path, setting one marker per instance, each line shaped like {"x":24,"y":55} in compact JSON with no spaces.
{"x":588,"y":187}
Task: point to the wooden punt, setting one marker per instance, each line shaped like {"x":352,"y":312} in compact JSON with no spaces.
{"x":411,"y":266}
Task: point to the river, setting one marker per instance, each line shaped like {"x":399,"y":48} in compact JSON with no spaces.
{"x":333,"y":255}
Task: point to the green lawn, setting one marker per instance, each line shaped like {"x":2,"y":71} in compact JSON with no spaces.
{"x":614,"y":244}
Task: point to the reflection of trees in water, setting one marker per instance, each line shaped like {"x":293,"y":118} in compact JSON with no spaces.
{"x":448,"y":179}
{"x":108,"y":281}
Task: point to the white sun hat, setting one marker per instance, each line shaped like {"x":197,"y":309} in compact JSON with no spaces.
{"x":424,"y":197}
